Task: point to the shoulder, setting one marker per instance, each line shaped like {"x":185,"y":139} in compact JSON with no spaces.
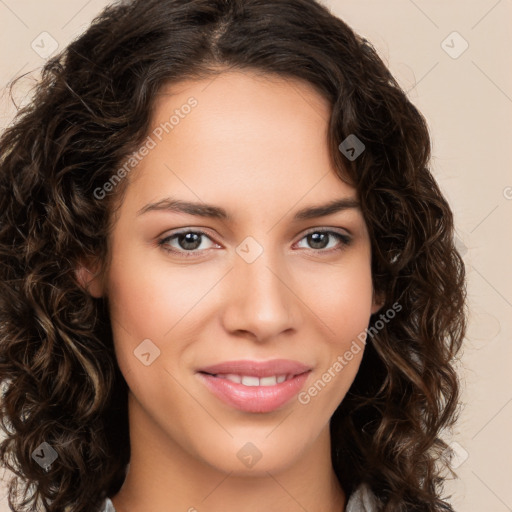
{"x":362,"y":500}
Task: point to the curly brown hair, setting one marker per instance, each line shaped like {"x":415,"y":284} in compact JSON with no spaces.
{"x":91,"y":109}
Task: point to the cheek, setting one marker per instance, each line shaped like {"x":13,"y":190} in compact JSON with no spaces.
{"x":341,"y":297}
{"x":150,"y":299}
{"x":345,"y":312}
{"x":342,"y":301}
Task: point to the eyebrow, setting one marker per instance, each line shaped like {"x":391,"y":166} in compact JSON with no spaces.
{"x":216,"y":212}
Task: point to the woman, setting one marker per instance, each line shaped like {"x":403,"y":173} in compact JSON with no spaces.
{"x":228,"y":276}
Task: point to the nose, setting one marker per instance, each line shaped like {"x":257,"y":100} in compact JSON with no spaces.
{"x":261,"y":301}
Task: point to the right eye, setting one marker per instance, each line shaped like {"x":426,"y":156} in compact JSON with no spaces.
{"x":188,"y":241}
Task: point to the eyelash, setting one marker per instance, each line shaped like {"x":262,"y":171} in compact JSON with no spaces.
{"x":344,"y":239}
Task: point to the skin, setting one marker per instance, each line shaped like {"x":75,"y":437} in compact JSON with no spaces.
{"x":255,"y":145}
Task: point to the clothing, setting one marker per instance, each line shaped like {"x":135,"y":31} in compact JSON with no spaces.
{"x":361,"y":500}
{"x":108,"y":506}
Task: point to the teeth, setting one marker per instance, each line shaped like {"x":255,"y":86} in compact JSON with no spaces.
{"x":268,"y":381}
{"x":233,"y":378}
{"x":248,"y":380}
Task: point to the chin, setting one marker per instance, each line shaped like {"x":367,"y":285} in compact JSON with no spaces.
{"x":254,"y":456}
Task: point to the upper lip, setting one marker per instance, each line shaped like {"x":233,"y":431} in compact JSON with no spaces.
{"x":257,"y":368}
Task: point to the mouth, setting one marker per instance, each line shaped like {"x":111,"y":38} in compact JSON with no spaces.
{"x":251,"y":380}
{"x":255,"y":387}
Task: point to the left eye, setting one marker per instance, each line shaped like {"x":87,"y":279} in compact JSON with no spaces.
{"x":190,"y":241}
{"x":319,"y":239}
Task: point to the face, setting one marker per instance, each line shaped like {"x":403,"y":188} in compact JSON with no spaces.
{"x":251,"y":277}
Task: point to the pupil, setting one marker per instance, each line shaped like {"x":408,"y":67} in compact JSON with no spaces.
{"x":191,"y":241}
{"x":314,"y":237}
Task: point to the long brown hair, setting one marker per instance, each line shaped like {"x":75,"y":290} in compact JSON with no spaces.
{"x":91,"y":109}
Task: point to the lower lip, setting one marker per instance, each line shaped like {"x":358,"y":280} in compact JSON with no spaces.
{"x":254,"y":398}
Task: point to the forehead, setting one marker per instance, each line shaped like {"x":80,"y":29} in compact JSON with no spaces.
{"x":246,"y":87}
{"x":243,"y":107}
{"x":249,"y":138}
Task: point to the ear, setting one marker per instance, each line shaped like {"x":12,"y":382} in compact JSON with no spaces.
{"x":89,"y":277}
{"x":378,"y":300}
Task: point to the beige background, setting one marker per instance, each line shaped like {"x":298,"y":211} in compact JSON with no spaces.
{"x":467,"y":100}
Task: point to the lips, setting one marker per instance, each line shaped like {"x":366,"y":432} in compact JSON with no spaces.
{"x":255,"y":386}
{"x":257,"y":368}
